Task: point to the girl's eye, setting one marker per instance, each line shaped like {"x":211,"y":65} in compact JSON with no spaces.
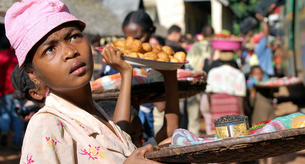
{"x":49,"y":50}
{"x":76,"y":36}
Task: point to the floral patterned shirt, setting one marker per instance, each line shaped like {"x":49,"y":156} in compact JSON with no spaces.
{"x":228,"y":80}
{"x":63,"y":133}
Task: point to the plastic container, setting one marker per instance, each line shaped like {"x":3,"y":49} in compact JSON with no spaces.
{"x":288,"y":119}
{"x":226,"y":44}
{"x":275,"y":125}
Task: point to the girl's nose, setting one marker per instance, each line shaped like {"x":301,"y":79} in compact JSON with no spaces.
{"x":69,"y":52}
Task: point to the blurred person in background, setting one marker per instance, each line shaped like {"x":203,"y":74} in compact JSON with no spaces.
{"x":8,"y":61}
{"x":261,"y":105}
{"x":185,"y":43}
{"x":156,"y":40}
{"x":174,"y":34}
{"x":202,"y":49}
{"x":262,"y":50}
{"x":226,"y":85}
{"x":139,"y":25}
{"x":196,"y":56}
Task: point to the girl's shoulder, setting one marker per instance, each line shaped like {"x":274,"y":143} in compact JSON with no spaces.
{"x":44,"y":118}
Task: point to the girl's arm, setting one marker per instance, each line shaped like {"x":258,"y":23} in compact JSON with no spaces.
{"x":112,"y":57}
{"x":171,"y":117}
{"x":122,"y":110}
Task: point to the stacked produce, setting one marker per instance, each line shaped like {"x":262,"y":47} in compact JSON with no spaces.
{"x":135,"y":48}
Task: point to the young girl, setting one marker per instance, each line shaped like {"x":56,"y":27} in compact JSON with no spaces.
{"x":71,"y":127}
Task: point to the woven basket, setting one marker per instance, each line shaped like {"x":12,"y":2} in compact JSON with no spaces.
{"x":234,"y":149}
{"x":155,"y":91}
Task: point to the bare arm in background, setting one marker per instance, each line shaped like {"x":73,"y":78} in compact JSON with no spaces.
{"x":246,"y":39}
{"x":171,"y":117}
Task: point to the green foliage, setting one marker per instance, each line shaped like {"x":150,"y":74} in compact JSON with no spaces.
{"x":243,"y":8}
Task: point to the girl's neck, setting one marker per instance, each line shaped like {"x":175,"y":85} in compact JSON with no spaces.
{"x":81,"y":98}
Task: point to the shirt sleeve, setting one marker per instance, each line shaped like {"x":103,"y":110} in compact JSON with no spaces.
{"x":261,"y":46}
{"x":240,"y":85}
{"x":45,"y":141}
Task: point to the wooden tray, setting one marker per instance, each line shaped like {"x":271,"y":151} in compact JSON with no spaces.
{"x":234,"y":149}
{"x":154,"y":91}
{"x":276,"y":86}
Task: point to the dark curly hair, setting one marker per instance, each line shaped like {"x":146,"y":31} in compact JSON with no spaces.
{"x":22,"y":84}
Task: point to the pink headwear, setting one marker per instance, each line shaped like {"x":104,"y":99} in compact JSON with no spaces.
{"x":28,"y":21}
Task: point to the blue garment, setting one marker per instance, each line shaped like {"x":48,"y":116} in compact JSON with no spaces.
{"x":8,"y":115}
{"x":147,"y":120}
{"x":264,"y":55}
{"x":253,"y":81}
{"x":244,"y":54}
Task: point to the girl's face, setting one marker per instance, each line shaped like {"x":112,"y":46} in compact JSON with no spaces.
{"x":63,"y":59}
{"x":135,"y":30}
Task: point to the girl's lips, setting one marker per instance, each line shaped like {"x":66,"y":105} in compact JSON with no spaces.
{"x":77,"y":68}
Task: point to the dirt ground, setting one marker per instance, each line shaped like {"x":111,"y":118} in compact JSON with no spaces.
{"x":10,"y":156}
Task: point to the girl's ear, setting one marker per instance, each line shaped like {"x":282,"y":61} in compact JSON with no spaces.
{"x":35,"y":94}
{"x":33,"y":77}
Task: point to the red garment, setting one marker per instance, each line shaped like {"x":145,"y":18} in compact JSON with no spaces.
{"x":8,"y":62}
{"x":223,"y":104}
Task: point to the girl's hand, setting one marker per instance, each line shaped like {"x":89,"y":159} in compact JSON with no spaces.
{"x":112,"y":56}
{"x":138,"y":156}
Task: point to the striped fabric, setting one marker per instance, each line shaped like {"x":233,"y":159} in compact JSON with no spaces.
{"x":114,"y":81}
{"x":223,"y":104}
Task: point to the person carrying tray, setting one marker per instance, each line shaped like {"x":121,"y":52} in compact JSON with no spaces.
{"x":226,"y":88}
{"x":139,"y":25}
{"x":71,"y":127}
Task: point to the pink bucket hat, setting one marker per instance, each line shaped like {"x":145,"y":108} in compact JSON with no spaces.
{"x":28,"y":21}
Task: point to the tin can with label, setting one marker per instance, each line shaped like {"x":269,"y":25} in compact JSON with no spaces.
{"x":232,"y":128}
